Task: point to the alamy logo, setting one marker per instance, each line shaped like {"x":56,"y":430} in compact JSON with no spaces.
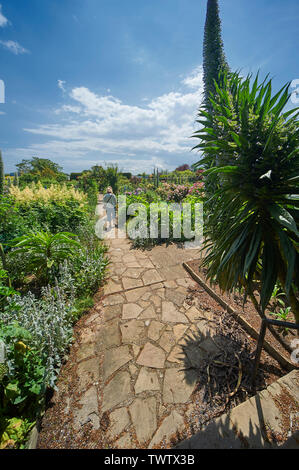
{"x":2,"y":91}
{"x":163,"y":220}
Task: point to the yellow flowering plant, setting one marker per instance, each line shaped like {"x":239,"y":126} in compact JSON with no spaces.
{"x":53,"y":193}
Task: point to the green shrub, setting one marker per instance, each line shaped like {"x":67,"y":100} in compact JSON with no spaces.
{"x":6,"y":290}
{"x":57,"y":208}
{"x":54,"y":216}
{"x":81,"y":306}
{"x":25,"y":377}
{"x":87,"y":270}
{"x":43,"y":251}
{"x":93,"y":194}
{"x":148,"y":240}
{"x":85,"y":232}
{"x":111,"y":178}
{"x":12,"y":224}
{"x":14,"y":431}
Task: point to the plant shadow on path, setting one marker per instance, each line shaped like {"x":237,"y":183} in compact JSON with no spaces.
{"x":219,"y":357}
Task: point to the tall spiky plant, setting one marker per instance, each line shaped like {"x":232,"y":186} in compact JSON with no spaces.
{"x":1,"y":175}
{"x":214,"y":60}
{"x":214,"y":64}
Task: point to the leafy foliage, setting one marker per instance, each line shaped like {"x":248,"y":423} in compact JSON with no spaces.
{"x":11,"y":223}
{"x":53,"y":209}
{"x":86,"y":270}
{"x":6,"y":290}
{"x":39,"y":169}
{"x":26,"y":373}
{"x":13,"y":431}
{"x":162,"y":209}
{"x":44,"y":251}
{"x":35,"y":350}
{"x":46,"y":328}
{"x":103,"y":177}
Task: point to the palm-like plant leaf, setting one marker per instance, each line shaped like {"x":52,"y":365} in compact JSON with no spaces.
{"x":44,"y":250}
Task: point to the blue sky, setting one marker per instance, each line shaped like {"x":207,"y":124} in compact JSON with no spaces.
{"x":120,"y":81}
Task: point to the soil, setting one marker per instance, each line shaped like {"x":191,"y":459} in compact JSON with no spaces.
{"x":248,"y":311}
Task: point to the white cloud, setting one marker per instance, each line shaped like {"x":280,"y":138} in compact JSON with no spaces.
{"x":195,"y":79}
{"x":93,"y":126}
{"x":3,"y":20}
{"x":14,"y":47}
{"x":61,"y":84}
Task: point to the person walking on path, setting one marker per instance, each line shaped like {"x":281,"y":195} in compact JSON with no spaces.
{"x":110,"y":202}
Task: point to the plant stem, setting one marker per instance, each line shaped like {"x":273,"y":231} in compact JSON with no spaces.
{"x":270,"y":327}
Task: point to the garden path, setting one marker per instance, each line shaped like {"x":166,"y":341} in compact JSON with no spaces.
{"x":144,"y":394}
{"x":130,"y":384}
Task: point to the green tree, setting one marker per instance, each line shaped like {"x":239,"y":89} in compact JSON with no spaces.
{"x":213,"y":52}
{"x":252,"y":146}
{"x":40,"y":168}
{"x":1,"y":175}
{"x":97,"y":172}
{"x":111,"y":177}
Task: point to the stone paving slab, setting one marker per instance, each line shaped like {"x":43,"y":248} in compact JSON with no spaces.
{"x":170,"y":426}
{"x":88,"y":409}
{"x":144,"y":418}
{"x":116,"y":391}
{"x":176,"y":389}
{"x":253,"y":423}
{"x":88,"y":372}
{"x":115,"y":359}
{"x":119,"y":420}
{"x":147,"y":380}
{"x":146,"y":319}
{"x":151,"y":356}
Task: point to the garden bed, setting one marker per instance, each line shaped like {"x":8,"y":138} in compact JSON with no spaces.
{"x":246,"y":315}
{"x":47,"y":280}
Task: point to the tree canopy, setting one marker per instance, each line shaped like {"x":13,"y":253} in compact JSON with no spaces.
{"x":40,"y":168}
